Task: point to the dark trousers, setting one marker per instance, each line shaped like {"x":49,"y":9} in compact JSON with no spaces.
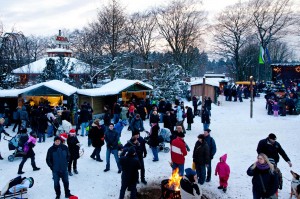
{"x":18,"y":123}
{"x":96,"y":153}
{"x":201,"y":171}
{"x":24,"y":160}
{"x":131,"y":187}
{"x":41,"y":136}
{"x":208,"y":177}
{"x":142,"y":168}
{"x":74,"y":162}
{"x":56,"y":178}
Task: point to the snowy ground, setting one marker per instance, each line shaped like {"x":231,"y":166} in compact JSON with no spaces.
{"x":233,"y":130}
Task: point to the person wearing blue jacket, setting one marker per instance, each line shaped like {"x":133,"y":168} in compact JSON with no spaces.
{"x":111,"y":138}
{"x":212,"y":151}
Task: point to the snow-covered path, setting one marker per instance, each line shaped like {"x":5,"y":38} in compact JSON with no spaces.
{"x":233,"y":130}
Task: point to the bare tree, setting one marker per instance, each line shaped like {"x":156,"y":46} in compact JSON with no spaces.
{"x":37,"y":47}
{"x":181,"y":24}
{"x":230,"y":33}
{"x":140,"y":32}
{"x":271,"y":18}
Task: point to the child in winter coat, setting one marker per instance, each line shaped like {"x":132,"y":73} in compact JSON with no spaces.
{"x":223,"y":170}
{"x":275,"y":109}
{"x":74,"y":146}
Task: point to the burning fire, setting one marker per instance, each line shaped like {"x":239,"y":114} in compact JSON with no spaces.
{"x":174,"y":181}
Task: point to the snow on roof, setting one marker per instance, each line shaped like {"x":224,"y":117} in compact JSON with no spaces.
{"x":210,"y":81}
{"x":59,"y":50}
{"x":214,"y":75}
{"x":285,"y":64}
{"x":56,"y":85}
{"x":112,"y":88}
{"x":39,"y":65}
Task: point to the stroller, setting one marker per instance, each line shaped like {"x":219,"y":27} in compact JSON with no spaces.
{"x":16,"y":143}
{"x":17,"y":188}
{"x":163,"y":137}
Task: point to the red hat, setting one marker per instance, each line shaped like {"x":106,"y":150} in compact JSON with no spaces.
{"x":72,"y":131}
{"x":73,"y":197}
{"x":63,"y":136}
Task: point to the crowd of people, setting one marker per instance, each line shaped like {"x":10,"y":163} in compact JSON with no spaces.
{"x":62,"y":156}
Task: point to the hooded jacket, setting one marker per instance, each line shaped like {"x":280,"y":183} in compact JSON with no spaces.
{"x":222,"y":168}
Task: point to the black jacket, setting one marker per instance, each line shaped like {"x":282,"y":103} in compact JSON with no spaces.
{"x":153,"y":138}
{"x":58,"y":157}
{"x":271,"y":150}
{"x":111,"y":139}
{"x":269,"y":179}
{"x":205,"y":117}
{"x":96,"y":134}
{"x":201,"y":153}
{"x":189,"y":115}
{"x":72,"y":142}
{"x":140,"y":147}
{"x":130,"y":166}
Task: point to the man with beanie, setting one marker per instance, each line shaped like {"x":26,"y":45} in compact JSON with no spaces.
{"x":130,"y":166}
{"x":272,"y":149}
{"x":178,"y":151}
{"x":189,"y":187}
{"x":57,"y":159}
{"x":212,"y":151}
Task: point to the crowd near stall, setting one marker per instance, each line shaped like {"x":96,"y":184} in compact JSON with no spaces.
{"x":56,"y":110}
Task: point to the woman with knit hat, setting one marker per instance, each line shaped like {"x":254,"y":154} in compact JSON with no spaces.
{"x":265,"y":180}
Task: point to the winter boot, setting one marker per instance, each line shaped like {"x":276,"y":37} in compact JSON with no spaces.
{"x":224,"y":189}
{"x":75,"y":171}
{"x":1,"y":158}
{"x":70,"y":173}
{"x":36,"y":169}
{"x":21,"y":172}
{"x":144,"y":181}
{"x":220,"y":187}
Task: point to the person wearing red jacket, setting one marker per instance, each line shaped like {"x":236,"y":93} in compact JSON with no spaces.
{"x":223,"y":170}
{"x":178,"y":151}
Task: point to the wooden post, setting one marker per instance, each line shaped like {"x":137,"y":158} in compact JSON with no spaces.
{"x":251,"y":94}
{"x":203,"y":91}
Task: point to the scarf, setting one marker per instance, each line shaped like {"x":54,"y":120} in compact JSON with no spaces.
{"x":262,"y":166}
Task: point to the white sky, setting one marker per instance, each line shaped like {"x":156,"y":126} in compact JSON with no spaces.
{"x":46,"y":17}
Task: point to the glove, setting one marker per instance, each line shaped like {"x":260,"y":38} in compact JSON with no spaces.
{"x":145,"y":154}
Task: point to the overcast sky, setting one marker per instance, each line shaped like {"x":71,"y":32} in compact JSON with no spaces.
{"x":46,"y":17}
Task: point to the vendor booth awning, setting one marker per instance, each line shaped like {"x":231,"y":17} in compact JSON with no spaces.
{"x":116,"y":87}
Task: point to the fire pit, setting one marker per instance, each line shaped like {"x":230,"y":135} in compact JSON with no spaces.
{"x":170,"y":187}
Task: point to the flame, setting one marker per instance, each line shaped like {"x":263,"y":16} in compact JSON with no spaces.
{"x":174,"y":181}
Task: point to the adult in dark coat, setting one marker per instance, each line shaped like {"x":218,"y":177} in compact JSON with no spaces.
{"x":189,"y":117}
{"x":96,"y":134}
{"x":136,"y":123}
{"x":74,"y":146}
{"x":154,"y":117}
{"x":168,"y":121}
{"x":2,"y":130}
{"x":111,"y":138}
{"x":42,"y":125}
{"x":106,"y":117}
{"x":139,"y":143}
{"x":212,"y":151}
{"x":29,"y":153}
{"x":265,"y":179}
{"x":195,"y":104}
{"x":130,"y":166}
{"x":84,"y":119}
{"x":153,"y":140}
{"x":207,"y":104}
{"x":57,"y":160}
{"x":272,"y":149}
{"x":205,"y":119}
{"x":201,"y":158}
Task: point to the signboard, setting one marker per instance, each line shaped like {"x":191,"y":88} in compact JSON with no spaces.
{"x":61,"y":40}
